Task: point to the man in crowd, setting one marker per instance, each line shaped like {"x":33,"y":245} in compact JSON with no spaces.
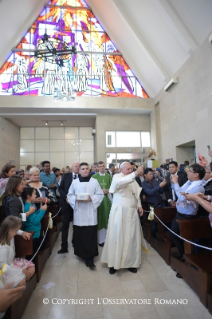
{"x":182,"y":179}
{"x":56,"y":171}
{"x":94,"y":169}
{"x":68,"y":169}
{"x":111,"y":170}
{"x":67,"y":210}
{"x":47,"y":178}
{"x":152,"y":189}
{"x":85,"y":214}
{"x":186,"y":209}
{"x":103,"y":210}
{"x":207,"y":184}
{"x":122,"y":247}
{"x":158,"y":174}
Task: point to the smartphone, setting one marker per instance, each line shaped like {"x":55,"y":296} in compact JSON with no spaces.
{"x":182,"y":167}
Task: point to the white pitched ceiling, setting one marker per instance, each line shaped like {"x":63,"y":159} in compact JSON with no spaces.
{"x":156,"y":37}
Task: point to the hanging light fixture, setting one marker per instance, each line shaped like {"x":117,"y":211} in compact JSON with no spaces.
{"x":51,"y":54}
{"x":46,"y":123}
{"x":61,"y":123}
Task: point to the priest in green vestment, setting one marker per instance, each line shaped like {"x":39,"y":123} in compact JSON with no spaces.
{"x":103,"y":210}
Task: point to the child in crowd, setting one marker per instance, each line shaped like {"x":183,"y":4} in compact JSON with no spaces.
{"x":33,"y":222}
{"x":13,"y":268}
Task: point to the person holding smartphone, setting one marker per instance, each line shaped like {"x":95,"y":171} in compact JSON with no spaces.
{"x":170,"y":194}
{"x":185,"y":208}
{"x":153,"y":190}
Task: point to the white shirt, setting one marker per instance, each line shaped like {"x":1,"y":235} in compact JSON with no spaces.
{"x":101,"y":174}
{"x":188,"y":207}
{"x":85,"y":213}
{"x":173,"y":192}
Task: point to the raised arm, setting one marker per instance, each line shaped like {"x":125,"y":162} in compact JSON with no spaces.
{"x":204,"y":203}
{"x":124,"y":181}
{"x":36,"y":218}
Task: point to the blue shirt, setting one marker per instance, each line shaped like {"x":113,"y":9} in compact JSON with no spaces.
{"x":152,"y":191}
{"x":33,"y":221}
{"x":183,"y":206}
{"x":48,"y":180}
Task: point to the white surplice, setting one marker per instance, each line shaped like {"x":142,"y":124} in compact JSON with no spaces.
{"x":85,"y":213}
{"x":122,"y":247}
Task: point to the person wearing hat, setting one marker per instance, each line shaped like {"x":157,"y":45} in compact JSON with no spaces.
{"x":157,"y":175}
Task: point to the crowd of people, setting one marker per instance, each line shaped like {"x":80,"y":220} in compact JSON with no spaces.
{"x":105,"y":205}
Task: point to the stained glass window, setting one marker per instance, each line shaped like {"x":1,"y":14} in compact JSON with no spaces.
{"x":97,"y":68}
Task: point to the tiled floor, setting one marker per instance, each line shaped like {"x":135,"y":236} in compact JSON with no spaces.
{"x":154,"y":282}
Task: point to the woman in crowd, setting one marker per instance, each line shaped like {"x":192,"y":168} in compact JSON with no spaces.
{"x":43,"y":193}
{"x":7,"y":171}
{"x":13,"y":204}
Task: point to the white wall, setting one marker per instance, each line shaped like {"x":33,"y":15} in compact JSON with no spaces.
{"x":61,"y":146}
{"x":9,"y":142}
{"x":185,"y":113}
{"x":184,"y":153}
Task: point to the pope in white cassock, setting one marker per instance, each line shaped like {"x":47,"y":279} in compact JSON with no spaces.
{"x":85,"y":214}
{"x":122,"y":247}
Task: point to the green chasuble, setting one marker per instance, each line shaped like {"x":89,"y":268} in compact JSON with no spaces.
{"x":103,"y":210}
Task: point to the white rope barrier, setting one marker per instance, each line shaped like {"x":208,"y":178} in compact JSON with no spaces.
{"x":188,"y":241}
{"x":57,"y":213}
{"x":41,"y":241}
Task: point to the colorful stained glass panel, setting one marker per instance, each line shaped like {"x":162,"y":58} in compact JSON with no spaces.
{"x":38,"y":65}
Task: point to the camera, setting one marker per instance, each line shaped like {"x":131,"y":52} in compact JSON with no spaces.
{"x":165,"y":166}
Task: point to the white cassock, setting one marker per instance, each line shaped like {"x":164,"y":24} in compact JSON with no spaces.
{"x":85,"y":213}
{"x":85,"y":216}
{"x":122,"y":247}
